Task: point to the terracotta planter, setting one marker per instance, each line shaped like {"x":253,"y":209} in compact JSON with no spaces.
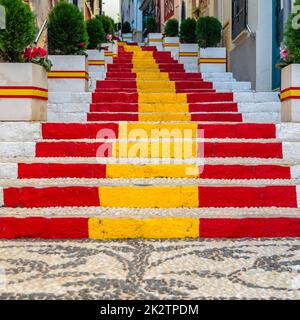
{"x":212,"y":60}
{"x":68,"y":74}
{"x":156,"y":39}
{"x":127,"y":37}
{"x":290,"y":93}
{"x":171,"y":44}
{"x":23,"y":92}
{"x":188,"y":56}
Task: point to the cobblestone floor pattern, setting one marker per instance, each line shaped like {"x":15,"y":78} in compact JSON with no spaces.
{"x":150,"y":269}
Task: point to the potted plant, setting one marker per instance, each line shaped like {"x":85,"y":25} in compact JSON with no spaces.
{"x":108,"y":43}
{"x":67,"y":40}
{"x":188,"y":48}
{"x":209,"y":33}
{"x":23,"y":71}
{"x":96,"y":61}
{"x":290,"y":71}
{"x":127,"y":32}
{"x":154,"y":38}
{"x":171,"y":39}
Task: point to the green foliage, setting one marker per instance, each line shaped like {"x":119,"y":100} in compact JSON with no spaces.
{"x":292,"y":34}
{"x":67,"y":33}
{"x":172,"y":28}
{"x":96,"y":33}
{"x":108,"y":24}
{"x":151,"y":26}
{"x":20,"y":30}
{"x":188,"y":31}
{"x":126,"y":28}
{"x":208,"y":32}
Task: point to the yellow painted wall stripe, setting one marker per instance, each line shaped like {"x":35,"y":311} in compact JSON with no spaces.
{"x":212,"y":60}
{"x":66,"y":74}
{"x":108,"y":54}
{"x":289,"y":94}
{"x":115,"y":171}
{"x":23,"y":92}
{"x":155,"y":40}
{"x":149,"y":197}
{"x":96,"y":62}
{"x":171,"y":45}
{"x":158,"y":97}
{"x":151,"y":228}
{"x":188,"y":54}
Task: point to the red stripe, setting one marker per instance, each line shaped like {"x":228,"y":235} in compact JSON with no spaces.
{"x":193,"y":85}
{"x":78,"y":130}
{"x":240,"y":197}
{"x":291,"y":88}
{"x":213,"y":107}
{"x":23,"y":96}
{"x":112,"y":117}
{"x":242,"y":149}
{"x":245,"y":172}
{"x":61,"y":170}
{"x":242,"y":131}
{"x":226,"y":117}
{"x":249,"y":228}
{"x":114,"y":107}
{"x":71,"y":149}
{"x":44,"y":228}
{"x":30,"y":197}
{"x":115,"y":97}
{"x":290,"y":97}
{"x":209,"y":97}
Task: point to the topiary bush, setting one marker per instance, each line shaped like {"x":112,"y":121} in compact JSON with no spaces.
{"x":95,"y":32}
{"x":67,"y":33}
{"x":151,"y":26}
{"x":126,"y":28}
{"x":188,"y":31}
{"x":108,"y":26}
{"x":172,"y":28}
{"x":208,"y":32}
{"x":20,"y":30}
{"x":292,"y":34}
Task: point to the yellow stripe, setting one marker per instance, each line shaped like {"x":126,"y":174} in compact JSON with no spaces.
{"x":290,"y":93}
{"x":96,"y":62}
{"x":158,"y":98}
{"x":152,"y":228}
{"x":24,"y":92}
{"x":108,"y":54}
{"x":127,"y":130}
{"x":54,"y":74}
{"x":164,"y":116}
{"x":188,"y":54}
{"x":212,"y":60}
{"x":155,"y":40}
{"x":179,"y":149}
{"x":114,"y":171}
{"x":171,"y":45}
{"x":149,"y":197}
{"x":184,"y":107}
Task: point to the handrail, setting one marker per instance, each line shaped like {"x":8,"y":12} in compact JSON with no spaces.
{"x":252,"y":34}
{"x":42,"y":29}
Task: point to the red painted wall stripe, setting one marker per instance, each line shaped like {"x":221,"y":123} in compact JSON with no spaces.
{"x":30,"y":197}
{"x":112,"y":117}
{"x":249,"y":228}
{"x":216,"y":117}
{"x":115,"y":97}
{"x":240,"y":197}
{"x":114,"y":107}
{"x":44,"y":228}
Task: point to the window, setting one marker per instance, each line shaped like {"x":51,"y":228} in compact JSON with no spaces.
{"x":239,"y":16}
{"x":75,"y":2}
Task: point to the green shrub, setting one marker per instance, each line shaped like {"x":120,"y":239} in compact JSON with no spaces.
{"x":20,"y":30}
{"x":172,"y":28}
{"x":208,"y":32}
{"x":96,"y":33}
{"x":292,"y":35}
{"x":188,"y":31}
{"x":67,"y":33}
{"x":108,"y":26}
{"x":126,"y":28}
{"x":151,"y":26}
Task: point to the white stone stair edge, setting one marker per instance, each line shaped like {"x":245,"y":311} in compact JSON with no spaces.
{"x":297,"y":190}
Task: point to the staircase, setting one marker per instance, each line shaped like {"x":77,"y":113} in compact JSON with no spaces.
{"x":154,"y":152}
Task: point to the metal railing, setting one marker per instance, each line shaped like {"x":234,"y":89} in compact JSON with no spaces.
{"x":41,"y":31}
